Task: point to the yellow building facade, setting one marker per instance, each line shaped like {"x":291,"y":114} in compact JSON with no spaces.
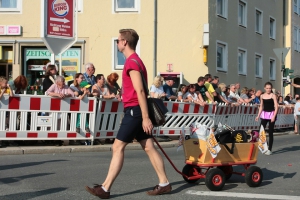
{"x":192,"y":39}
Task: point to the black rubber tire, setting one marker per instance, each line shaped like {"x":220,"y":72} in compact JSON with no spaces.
{"x":227,"y":171}
{"x":189,"y":170}
{"x":215,"y":179}
{"x":253,"y":176}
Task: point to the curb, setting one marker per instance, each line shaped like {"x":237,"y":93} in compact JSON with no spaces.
{"x":96,"y":148}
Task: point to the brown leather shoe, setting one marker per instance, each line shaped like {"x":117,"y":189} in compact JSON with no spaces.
{"x":158,"y":190}
{"x":98,"y":191}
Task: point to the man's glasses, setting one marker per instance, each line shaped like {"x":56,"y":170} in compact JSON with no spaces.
{"x":119,"y":40}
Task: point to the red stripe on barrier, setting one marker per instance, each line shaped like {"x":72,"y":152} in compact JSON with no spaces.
{"x":231,"y":110}
{"x":32,"y":135}
{"x":87,"y":135}
{"x":161,"y":132}
{"x":71,"y":135}
{"x":91,"y":105}
{"x":74,"y":104}
{"x":55,"y":104}
{"x":186,"y":108}
{"x":35,"y":103}
{"x":221,"y":111}
{"x":171,"y":132}
{"x":255,"y":110}
{"x":250,"y":112}
{"x":166,"y":104}
{"x":196,"y":108}
{"x":109,"y":133}
{"x":98,"y":134}
{"x":175,"y":107}
{"x":52,"y":135}
{"x":103,"y":103}
{"x":114,"y":106}
{"x":245,"y":110}
{"x":11,"y":134}
{"x":226,"y":111}
{"x":205,"y":109}
{"x":14,"y":103}
{"x":214,"y":109}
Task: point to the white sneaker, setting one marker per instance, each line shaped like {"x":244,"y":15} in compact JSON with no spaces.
{"x":268,"y":153}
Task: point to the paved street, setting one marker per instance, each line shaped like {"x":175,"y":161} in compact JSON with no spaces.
{"x":63,"y":176}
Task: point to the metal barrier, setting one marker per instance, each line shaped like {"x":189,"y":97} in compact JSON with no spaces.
{"x":28,"y":117}
{"x":25,"y":117}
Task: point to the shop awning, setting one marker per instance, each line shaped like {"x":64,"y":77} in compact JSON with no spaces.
{"x":172,"y":74}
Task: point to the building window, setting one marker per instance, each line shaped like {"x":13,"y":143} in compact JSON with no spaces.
{"x":272,"y":69}
{"x":118,"y":58}
{"x":272,"y":28}
{"x":295,"y":38}
{"x":242,"y":61}
{"x":258,"y":22}
{"x":222,"y":8}
{"x":298,"y":41}
{"x":221,"y":56}
{"x":258,"y":66}
{"x":295,"y":6}
{"x":298,"y":7}
{"x":10,"y":5}
{"x":126,"y":5}
{"x":242,"y":13}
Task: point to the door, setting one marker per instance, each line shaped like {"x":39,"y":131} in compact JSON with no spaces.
{"x":4,"y":70}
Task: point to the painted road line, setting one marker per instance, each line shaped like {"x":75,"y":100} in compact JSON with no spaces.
{"x":242,"y":195}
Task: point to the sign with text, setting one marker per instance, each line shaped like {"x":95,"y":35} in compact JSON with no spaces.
{"x":10,"y":30}
{"x":2,"y":30}
{"x":59,"y":24}
{"x":60,"y":18}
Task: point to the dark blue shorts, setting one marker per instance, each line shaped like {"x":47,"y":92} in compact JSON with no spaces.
{"x":131,"y":126}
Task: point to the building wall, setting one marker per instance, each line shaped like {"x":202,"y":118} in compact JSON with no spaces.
{"x":180,"y":29}
{"x":229,"y":31}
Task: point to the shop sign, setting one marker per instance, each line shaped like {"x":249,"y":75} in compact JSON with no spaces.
{"x":10,"y":30}
{"x":60,"y":17}
{"x":70,"y":59}
{"x":2,"y":30}
{"x":13,"y":30}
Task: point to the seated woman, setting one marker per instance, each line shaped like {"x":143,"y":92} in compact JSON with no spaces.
{"x":182,"y":93}
{"x":100,"y":89}
{"x":192,"y":96}
{"x":156,"y":89}
{"x":244,"y":95}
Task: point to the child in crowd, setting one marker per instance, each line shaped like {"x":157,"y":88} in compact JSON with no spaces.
{"x":5,"y":89}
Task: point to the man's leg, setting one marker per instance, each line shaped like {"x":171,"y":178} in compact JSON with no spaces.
{"x":116,"y":163}
{"x":155,"y":159}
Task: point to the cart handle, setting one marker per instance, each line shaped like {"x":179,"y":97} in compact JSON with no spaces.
{"x":169,"y":158}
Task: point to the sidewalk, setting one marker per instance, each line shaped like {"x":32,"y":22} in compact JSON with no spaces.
{"x":83,"y":148}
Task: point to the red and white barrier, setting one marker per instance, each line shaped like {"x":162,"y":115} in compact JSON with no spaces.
{"x":24,"y":116}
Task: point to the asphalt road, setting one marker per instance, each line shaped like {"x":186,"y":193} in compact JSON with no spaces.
{"x":63,"y":176}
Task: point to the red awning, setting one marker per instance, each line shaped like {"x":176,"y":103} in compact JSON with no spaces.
{"x":172,"y":74}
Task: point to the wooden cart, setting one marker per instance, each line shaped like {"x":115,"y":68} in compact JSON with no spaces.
{"x":201,"y":165}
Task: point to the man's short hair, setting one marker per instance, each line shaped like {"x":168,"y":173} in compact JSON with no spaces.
{"x":215,"y":78}
{"x":130,"y":36}
{"x":201,"y":78}
{"x":232,"y":85}
{"x":298,"y":98}
{"x":207,"y":76}
{"x":88,"y":65}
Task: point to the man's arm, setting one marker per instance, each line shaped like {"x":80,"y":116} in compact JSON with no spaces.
{"x":208,"y":96}
{"x":138,"y":87}
{"x":295,"y":85}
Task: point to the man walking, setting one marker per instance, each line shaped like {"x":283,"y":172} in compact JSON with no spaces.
{"x":136,"y":123}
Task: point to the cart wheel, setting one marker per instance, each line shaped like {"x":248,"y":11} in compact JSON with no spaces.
{"x":189,"y":170}
{"x":227,"y":171}
{"x":254,"y":176}
{"x":215,"y":179}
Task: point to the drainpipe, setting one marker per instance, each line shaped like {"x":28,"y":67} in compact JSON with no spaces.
{"x":155,"y":40}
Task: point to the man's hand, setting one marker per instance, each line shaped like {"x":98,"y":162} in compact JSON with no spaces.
{"x":147,"y":126}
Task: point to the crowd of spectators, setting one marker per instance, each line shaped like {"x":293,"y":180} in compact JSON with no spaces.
{"x":207,"y":90}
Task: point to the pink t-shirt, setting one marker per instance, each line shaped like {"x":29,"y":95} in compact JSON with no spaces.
{"x":129,"y":95}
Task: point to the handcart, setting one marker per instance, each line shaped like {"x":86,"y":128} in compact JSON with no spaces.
{"x":201,"y":165}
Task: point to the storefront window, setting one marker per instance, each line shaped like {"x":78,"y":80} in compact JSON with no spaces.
{"x":35,"y":61}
